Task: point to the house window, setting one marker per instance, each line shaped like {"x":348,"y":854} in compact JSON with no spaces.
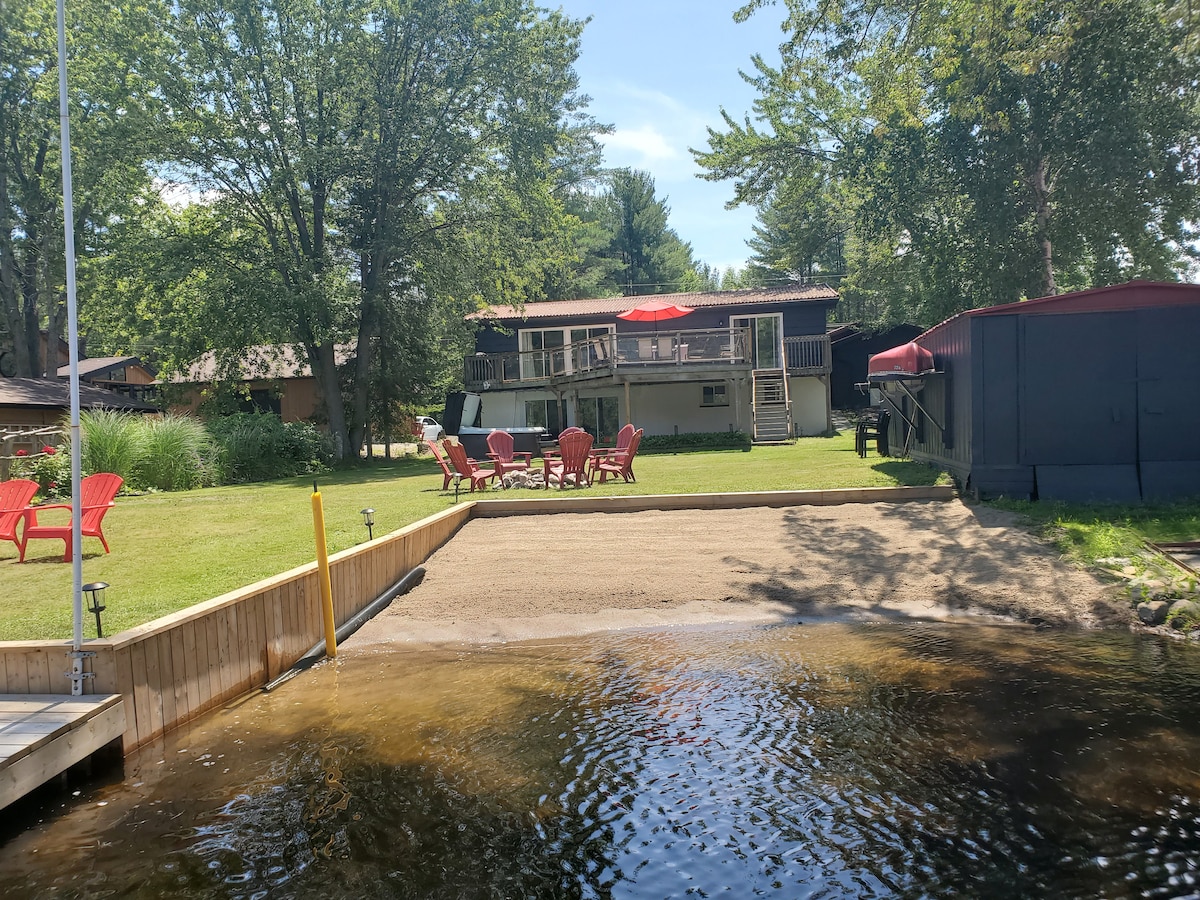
{"x":545,"y":414}
{"x":600,"y":417}
{"x":546,"y":352}
{"x":261,"y":401}
{"x":713,"y":395}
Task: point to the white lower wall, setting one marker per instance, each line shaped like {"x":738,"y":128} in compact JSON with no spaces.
{"x":676,"y":409}
{"x":809,"y":405}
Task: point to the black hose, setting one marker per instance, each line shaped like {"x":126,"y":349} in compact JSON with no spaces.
{"x":317,"y":652}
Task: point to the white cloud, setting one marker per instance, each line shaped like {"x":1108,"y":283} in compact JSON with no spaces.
{"x":641,"y":147}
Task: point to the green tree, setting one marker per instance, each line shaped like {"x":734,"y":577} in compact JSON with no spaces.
{"x":967,"y":153}
{"x":115,"y":57}
{"x":653,"y":259}
{"x":394,"y":157}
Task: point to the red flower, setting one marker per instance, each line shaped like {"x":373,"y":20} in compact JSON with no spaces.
{"x":22,"y":453}
{"x":49,"y":450}
{"x":52,"y":485}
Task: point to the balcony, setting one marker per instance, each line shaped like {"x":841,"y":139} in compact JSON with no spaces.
{"x":645,"y":356}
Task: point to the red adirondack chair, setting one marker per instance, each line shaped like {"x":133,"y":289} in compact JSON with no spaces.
{"x":620,"y":462}
{"x":96,"y":493}
{"x":15,"y":495}
{"x":624,"y":436}
{"x":503,"y":456}
{"x":572,"y":462}
{"x":447,"y":474}
{"x":467,"y":467}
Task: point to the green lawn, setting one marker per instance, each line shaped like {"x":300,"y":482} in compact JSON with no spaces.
{"x":172,"y":550}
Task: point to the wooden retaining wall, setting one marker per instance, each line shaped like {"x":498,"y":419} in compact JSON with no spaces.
{"x":177,"y":667}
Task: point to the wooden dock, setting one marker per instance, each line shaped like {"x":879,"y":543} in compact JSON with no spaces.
{"x":43,"y":735}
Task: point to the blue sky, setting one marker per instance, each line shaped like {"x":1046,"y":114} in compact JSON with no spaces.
{"x":660,"y":71}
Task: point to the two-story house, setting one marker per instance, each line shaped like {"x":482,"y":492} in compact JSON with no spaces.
{"x":755,"y":360}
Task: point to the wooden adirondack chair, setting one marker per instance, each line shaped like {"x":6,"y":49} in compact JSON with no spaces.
{"x":572,"y":462}
{"x":447,"y":474}
{"x":96,"y":493}
{"x":621,"y":462}
{"x":15,"y":495}
{"x":503,"y":456}
{"x":467,"y":467}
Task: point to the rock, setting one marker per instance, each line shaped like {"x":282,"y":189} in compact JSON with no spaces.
{"x":1154,"y":612}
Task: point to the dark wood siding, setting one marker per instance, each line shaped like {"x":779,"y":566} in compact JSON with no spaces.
{"x":1168,"y":342}
{"x":1079,"y":389}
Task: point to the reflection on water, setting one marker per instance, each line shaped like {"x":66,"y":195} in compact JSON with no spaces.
{"x":829,"y":760}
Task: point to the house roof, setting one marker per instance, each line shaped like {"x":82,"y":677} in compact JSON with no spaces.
{"x":610,"y":306}
{"x":1113,"y":298}
{"x":55,"y":393}
{"x":99,"y":365}
{"x":266,"y":361}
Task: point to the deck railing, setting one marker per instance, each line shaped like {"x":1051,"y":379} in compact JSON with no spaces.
{"x":606,"y":353}
{"x":809,"y":354}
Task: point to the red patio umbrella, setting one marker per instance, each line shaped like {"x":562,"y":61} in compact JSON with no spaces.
{"x":654,"y":311}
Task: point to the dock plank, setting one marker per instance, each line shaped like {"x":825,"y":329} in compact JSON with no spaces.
{"x":46,"y":734}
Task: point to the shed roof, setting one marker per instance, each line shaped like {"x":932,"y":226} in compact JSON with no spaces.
{"x":55,"y":393}
{"x":266,"y":361}
{"x":1112,"y":298}
{"x":99,"y":365}
{"x":610,"y":306}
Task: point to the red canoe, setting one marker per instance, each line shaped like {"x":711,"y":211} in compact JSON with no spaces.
{"x":906,"y":361}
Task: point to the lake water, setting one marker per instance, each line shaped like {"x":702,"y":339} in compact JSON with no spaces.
{"x":825,"y":760}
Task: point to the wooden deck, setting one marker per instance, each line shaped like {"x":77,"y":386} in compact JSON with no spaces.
{"x":43,"y":735}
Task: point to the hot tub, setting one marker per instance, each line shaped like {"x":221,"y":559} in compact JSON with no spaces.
{"x":525,"y":440}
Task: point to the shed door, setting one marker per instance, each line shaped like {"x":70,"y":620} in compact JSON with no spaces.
{"x":1168,"y":361}
{"x":1079,"y":390}
{"x":1168,"y":424}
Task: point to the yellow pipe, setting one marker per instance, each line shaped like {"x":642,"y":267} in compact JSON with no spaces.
{"x":323,"y":573}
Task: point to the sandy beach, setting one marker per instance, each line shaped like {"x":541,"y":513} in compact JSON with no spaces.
{"x":523,"y":577}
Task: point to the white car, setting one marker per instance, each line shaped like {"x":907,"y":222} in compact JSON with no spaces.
{"x":429,"y":428}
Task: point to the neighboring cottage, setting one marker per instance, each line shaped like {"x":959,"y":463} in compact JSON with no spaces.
{"x":31,"y":407}
{"x":274,"y":379}
{"x":123,"y":375}
{"x":1083,"y":396}
{"x":755,"y":360}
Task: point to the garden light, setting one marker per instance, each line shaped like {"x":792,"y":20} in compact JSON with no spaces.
{"x":368,"y":515}
{"x":95,"y":591}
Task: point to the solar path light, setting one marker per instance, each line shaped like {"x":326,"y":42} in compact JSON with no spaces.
{"x":95,"y":592}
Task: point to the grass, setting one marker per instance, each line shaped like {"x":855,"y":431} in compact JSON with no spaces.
{"x":1086,"y":533}
{"x":172,"y":550}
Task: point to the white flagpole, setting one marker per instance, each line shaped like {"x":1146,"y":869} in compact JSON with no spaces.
{"x":64,"y":126}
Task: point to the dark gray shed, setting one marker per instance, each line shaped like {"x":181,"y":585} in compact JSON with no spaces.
{"x":1080,"y":397}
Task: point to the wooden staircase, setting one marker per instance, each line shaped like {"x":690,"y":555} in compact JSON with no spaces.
{"x":772,"y":406}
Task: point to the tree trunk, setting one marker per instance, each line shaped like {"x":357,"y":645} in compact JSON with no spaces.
{"x":1041,"y":195}
{"x":324,"y":368}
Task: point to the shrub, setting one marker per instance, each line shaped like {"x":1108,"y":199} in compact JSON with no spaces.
{"x":176,"y":454}
{"x":111,"y":442}
{"x":258,"y":447}
{"x":707,"y":440}
{"x":51,"y":469}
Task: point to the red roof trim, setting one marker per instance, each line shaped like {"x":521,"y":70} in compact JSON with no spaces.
{"x":1111,"y":298}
